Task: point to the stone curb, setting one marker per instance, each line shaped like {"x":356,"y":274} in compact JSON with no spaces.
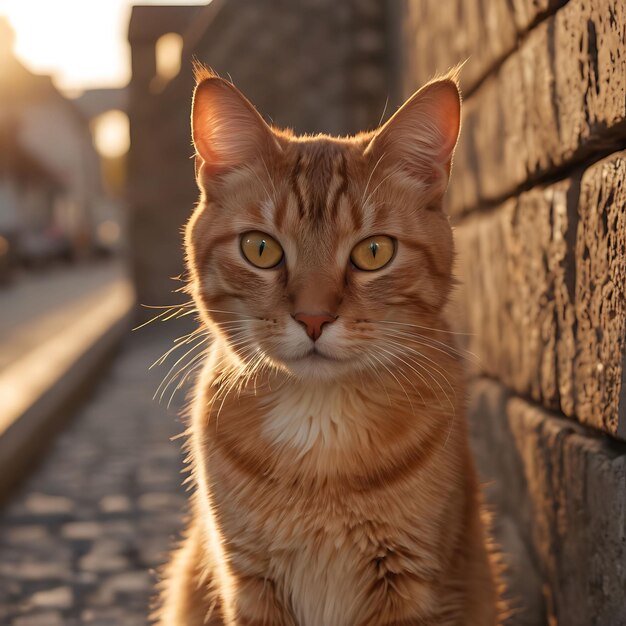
{"x":38,"y":392}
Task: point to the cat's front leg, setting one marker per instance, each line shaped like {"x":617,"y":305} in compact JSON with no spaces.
{"x":188,"y":594}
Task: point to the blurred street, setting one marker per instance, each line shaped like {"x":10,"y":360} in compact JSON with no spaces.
{"x":40,"y":304}
{"x":80,"y":541}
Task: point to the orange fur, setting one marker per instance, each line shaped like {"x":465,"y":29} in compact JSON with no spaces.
{"x":335,"y":487}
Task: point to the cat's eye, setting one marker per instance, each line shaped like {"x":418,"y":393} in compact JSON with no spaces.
{"x":261,"y":249}
{"x":373,"y":253}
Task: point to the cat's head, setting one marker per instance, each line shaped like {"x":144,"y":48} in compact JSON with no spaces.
{"x":318,"y":254}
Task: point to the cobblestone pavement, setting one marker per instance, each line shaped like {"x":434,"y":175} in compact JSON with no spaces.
{"x":79,"y":542}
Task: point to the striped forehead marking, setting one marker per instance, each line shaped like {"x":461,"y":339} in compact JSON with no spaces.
{"x":318,"y":180}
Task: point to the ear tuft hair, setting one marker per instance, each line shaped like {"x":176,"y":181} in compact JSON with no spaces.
{"x":201,"y":72}
{"x":453,"y":75}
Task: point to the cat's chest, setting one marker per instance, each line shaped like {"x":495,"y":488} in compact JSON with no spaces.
{"x":322,"y":538}
{"x":302,"y":418}
{"x":325,"y":564}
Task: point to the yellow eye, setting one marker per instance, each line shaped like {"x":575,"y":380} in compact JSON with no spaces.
{"x":373,"y":253}
{"x":261,"y":250}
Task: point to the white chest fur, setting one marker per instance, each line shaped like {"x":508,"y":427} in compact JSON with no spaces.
{"x":302,"y":416}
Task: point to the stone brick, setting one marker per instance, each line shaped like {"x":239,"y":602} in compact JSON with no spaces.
{"x":437,"y":36}
{"x":526,"y":12}
{"x":49,"y":506}
{"x":557,"y":99}
{"x":81,"y":531}
{"x":566,"y":490}
{"x":48,"y":618}
{"x":161,"y":502}
{"x":129,"y":582}
{"x":35,"y":571}
{"x":544,"y":282}
{"x":115,"y":504}
{"x":515,"y":265}
{"x":435,"y":39}
{"x":29,"y":534}
{"x":600,"y":365}
{"x":57,"y":598}
{"x":103,"y":563}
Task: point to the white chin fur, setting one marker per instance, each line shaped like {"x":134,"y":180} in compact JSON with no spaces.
{"x":317,"y":367}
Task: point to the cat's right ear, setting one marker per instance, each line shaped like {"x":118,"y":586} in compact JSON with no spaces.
{"x":227,"y":130}
{"x":418,"y":141}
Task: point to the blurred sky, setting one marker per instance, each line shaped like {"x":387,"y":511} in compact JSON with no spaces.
{"x":82,"y":43}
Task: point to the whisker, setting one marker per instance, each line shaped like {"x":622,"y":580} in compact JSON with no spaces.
{"x":200,"y":343}
{"x":231,"y":386}
{"x":161,"y":316}
{"x":275,"y":196}
{"x":440,"y":347}
{"x":369,"y":180}
{"x":395,"y":377}
{"x":237,"y":325}
{"x":429,"y":373}
{"x":168,"y":306}
{"x":395,"y":355}
{"x":181,"y":373}
{"x":179,"y":343}
{"x":253,"y":171}
{"x":192,"y":312}
{"x":439,"y":330}
{"x":435,"y":365}
{"x":190,"y":367}
{"x":178,"y":313}
{"x":233,"y":324}
{"x":233,"y":313}
{"x":398,"y":169}
{"x":374,"y":368}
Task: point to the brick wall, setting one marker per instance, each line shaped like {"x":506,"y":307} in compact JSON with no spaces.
{"x":538,"y":199}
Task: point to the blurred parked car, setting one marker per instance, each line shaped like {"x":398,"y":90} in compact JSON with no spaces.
{"x":39,"y":248}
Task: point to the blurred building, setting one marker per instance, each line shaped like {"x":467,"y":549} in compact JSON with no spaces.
{"x":50,"y":171}
{"x":94,"y":102}
{"x":29,"y":192}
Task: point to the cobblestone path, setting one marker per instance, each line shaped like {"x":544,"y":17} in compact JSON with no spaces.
{"x":80,"y":541}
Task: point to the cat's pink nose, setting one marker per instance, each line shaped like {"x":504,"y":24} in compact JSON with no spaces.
{"x":314,"y":322}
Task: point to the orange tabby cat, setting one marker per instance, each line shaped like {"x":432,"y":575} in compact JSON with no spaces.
{"x":329,"y":452}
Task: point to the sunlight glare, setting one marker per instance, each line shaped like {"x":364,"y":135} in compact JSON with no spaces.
{"x":168,"y":50}
{"x":111,"y":134}
{"x":82,"y":43}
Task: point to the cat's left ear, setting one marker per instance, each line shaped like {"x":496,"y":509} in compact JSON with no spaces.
{"x":227,"y":130}
{"x":419,"y":139}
